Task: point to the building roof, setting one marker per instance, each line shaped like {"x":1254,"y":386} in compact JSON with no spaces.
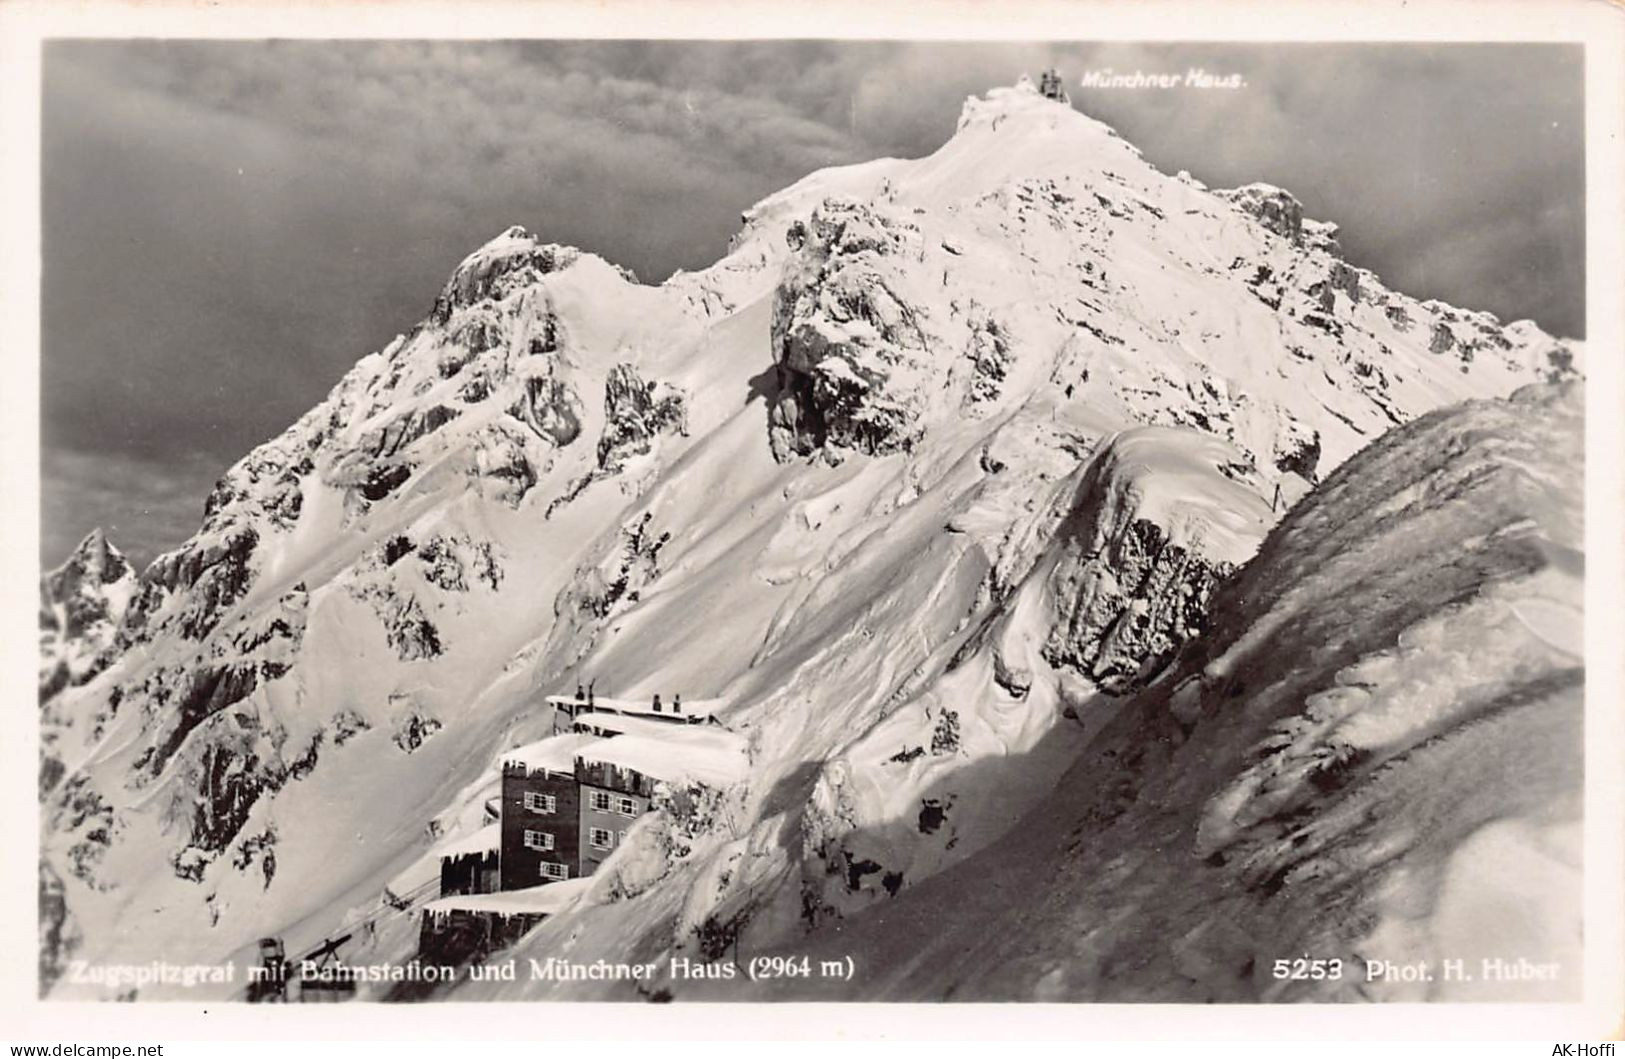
{"x":711,"y":756}
{"x":485,"y":840}
{"x":691,"y":707}
{"x":556,"y":753}
{"x":622,"y":724}
{"x":547,"y":899}
{"x":677,"y":753}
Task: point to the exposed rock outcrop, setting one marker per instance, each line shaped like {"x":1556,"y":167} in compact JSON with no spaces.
{"x":636,"y":411}
{"x":58,"y":935}
{"x":1141,"y":556}
{"x":848,"y":349}
{"x":1280,"y":212}
{"x":551,"y":408}
{"x":82,"y":603}
{"x":1276,"y":209}
{"x":211,"y":575}
{"x":390,"y":439}
{"x":512,"y":260}
{"x":500,"y":457}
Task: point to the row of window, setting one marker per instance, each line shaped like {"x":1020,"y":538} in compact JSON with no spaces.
{"x":600,"y":802}
{"x":597,"y":837}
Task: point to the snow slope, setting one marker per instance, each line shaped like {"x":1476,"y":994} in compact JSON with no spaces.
{"x":1373,"y":756}
{"x":941,"y":460}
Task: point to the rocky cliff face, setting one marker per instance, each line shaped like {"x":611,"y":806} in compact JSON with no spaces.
{"x":1137,"y":566}
{"x":1280,"y":212}
{"x":945,"y":462}
{"x":82,"y":603}
{"x":850,"y":351}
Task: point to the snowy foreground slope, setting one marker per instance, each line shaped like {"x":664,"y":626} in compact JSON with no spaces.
{"x":1373,"y":755}
{"x":939,"y":463}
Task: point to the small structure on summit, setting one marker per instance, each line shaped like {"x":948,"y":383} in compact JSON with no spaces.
{"x":1050,"y":87}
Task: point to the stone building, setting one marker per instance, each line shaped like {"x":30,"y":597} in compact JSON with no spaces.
{"x":541,"y":813}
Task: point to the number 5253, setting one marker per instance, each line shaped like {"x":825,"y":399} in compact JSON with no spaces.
{"x":1304,"y":969}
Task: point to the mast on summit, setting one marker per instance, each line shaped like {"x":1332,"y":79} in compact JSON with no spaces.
{"x":1049,"y":86}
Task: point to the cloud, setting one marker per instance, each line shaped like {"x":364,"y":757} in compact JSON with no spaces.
{"x":455,"y":112}
{"x":1400,"y":144}
{"x":1412,"y":149}
{"x":145,"y":506}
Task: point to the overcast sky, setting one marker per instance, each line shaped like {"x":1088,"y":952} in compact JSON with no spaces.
{"x":229,"y":225}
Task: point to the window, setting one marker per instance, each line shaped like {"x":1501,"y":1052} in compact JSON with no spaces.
{"x":626,"y":806}
{"x":541,"y":803}
{"x":600,"y":802}
{"x":600,"y":838}
{"x":554,"y":871}
{"x":538,"y":840}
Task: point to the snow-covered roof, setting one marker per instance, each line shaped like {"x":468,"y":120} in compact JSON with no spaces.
{"x":630,"y":725}
{"x":547,"y":899}
{"x":691,"y":707}
{"x":484,"y":840}
{"x":708,"y":755}
{"x":556,"y":753}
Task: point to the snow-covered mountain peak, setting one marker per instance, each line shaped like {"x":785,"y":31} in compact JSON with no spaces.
{"x":1023,"y":100}
{"x":95,"y":559}
{"x":507,"y":262}
{"x":82,"y":603}
{"x":513,"y":249}
{"x":1010,"y":135}
{"x":942,"y":452}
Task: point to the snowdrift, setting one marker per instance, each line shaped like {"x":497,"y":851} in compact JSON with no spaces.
{"x":1373,"y":760}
